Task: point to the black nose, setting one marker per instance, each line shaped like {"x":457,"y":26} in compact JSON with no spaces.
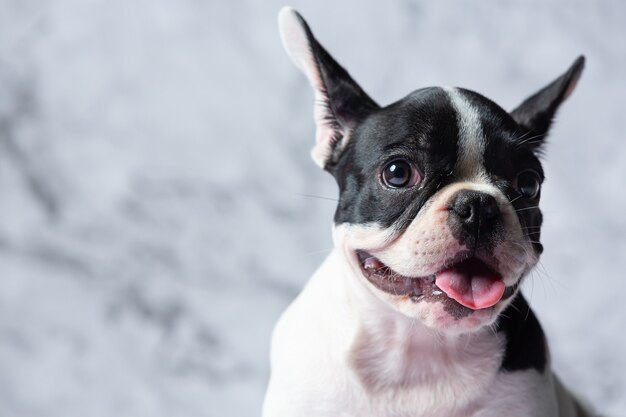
{"x":476,"y":213}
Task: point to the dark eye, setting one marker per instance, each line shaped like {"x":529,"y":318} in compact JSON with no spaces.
{"x":529,"y":183}
{"x":399,"y":174}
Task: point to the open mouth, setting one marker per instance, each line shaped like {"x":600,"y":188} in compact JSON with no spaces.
{"x":470,"y":282}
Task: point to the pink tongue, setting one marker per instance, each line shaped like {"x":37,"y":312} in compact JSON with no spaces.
{"x":471,"y":285}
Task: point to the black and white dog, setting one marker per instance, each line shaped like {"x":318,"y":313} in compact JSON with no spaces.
{"x":417,"y":311}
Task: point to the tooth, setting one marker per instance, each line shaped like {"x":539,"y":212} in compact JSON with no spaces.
{"x":416,"y":297}
{"x":372,"y":263}
{"x":437,"y":292}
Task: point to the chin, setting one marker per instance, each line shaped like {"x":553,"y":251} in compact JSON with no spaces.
{"x":440,"y":299}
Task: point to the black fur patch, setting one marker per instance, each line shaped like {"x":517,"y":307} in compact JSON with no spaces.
{"x":422,"y":129}
{"x":525,"y":341}
{"x":507,"y":153}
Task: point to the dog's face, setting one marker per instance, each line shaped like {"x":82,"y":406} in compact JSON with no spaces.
{"x":438,"y":210}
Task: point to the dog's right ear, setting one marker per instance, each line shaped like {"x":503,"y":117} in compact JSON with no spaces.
{"x":536,"y":112}
{"x":339,"y":101}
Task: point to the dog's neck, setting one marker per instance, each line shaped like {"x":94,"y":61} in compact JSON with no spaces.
{"x":390,"y":351}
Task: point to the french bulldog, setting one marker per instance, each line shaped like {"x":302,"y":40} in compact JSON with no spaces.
{"x":417,"y":311}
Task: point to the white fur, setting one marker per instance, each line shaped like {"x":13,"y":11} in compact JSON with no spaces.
{"x":340,"y":351}
{"x":471,"y":139}
{"x":345,"y":348}
{"x":427,"y":244}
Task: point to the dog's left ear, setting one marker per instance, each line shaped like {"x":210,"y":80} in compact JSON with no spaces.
{"x":536,"y":112}
{"x":339,"y":101}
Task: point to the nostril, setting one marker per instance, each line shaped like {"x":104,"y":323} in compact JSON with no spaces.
{"x":463,"y":210}
{"x":464,"y":205}
{"x":475,"y":207}
{"x":490,"y":207}
{"x":474,"y":215}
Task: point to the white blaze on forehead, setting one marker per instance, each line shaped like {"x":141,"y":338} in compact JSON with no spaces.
{"x":470,"y":161}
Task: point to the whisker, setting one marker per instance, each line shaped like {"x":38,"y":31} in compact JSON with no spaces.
{"x":521,"y":242}
{"x":515,"y":199}
{"x":521,"y":137}
{"x":317,"y":252}
{"x":529,"y":141}
{"x":506,"y":316}
{"x":494,"y":327}
{"x":514,"y":307}
{"x":317,"y":196}
{"x":526,"y":208}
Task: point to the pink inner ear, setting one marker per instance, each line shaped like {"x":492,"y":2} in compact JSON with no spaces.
{"x":297,"y":45}
{"x":571,"y":86}
{"x":325,"y":132}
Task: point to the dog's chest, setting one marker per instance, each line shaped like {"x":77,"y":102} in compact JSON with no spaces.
{"x":337,"y":351}
{"x":404,"y":371}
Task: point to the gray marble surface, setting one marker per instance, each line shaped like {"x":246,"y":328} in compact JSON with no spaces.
{"x":155,"y":183}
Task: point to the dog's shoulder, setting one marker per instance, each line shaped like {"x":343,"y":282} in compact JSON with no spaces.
{"x":525,"y":343}
{"x":308,"y":348}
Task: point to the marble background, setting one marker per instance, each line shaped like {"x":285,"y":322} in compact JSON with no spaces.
{"x":155,"y":174}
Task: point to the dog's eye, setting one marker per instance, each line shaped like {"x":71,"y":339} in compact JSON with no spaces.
{"x":528,"y":183}
{"x":399,"y":174}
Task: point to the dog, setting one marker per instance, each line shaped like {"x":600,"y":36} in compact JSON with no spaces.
{"x":417,"y":311}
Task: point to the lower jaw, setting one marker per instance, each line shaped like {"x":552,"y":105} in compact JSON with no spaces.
{"x":422,"y":289}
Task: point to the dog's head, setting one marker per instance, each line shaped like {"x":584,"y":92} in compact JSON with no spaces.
{"x":438,"y":210}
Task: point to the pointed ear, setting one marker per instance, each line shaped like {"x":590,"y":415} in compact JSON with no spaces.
{"x":339,"y":101}
{"x":536,"y":112}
